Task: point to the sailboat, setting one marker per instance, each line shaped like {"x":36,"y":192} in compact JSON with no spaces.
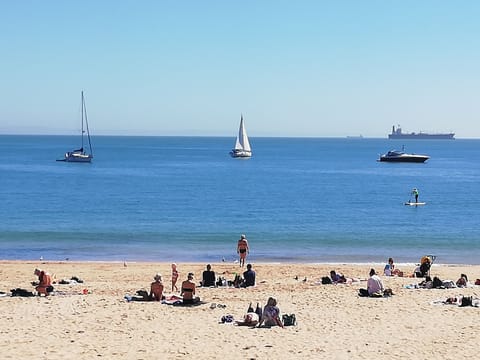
{"x":79,"y":155}
{"x":242,"y":145}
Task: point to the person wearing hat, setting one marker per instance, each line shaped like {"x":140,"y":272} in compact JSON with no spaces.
{"x":242,"y":249}
{"x":156,"y":288}
{"x":188,"y":290}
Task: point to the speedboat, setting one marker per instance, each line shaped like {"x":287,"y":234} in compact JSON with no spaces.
{"x":401,"y":156}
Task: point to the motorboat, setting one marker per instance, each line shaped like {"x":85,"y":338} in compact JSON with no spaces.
{"x":402,"y":156}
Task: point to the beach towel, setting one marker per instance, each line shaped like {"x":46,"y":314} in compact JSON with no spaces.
{"x":22,"y":292}
{"x":459,"y":301}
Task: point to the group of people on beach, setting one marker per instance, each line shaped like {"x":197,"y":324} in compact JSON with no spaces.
{"x":188,"y":286}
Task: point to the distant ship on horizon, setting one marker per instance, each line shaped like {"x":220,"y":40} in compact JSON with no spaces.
{"x":398,"y":134}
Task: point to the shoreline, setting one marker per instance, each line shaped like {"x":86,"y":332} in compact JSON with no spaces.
{"x":197,"y":263}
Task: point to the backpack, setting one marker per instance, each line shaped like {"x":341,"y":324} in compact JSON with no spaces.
{"x":437,"y":283}
{"x":289,"y":320}
{"x":466,"y":301}
{"x":326,"y":280}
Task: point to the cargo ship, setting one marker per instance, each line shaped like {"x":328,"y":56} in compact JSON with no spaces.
{"x":398,"y":134}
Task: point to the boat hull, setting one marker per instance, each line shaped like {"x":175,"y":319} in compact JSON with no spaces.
{"x":398,"y":134}
{"x":422,"y":136}
{"x":409,"y":159}
{"x":77,"y":158}
{"x":240,"y":154}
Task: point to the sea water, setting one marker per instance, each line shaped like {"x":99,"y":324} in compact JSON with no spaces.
{"x":184,"y":199}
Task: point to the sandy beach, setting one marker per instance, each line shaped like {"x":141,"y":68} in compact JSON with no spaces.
{"x":333,"y":321}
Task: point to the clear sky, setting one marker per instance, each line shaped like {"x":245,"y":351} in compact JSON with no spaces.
{"x":293,"y":68}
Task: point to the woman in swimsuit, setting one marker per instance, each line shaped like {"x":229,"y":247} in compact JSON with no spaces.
{"x":188,"y":290}
{"x":156,"y":288}
{"x":242,"y":249}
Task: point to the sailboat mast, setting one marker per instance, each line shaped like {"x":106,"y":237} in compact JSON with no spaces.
{"x":86,"y":123}
{"x":83,"y":106}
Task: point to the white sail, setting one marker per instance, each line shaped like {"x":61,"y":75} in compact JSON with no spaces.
{"x":242,"y":142}
{"x":242,"y":145}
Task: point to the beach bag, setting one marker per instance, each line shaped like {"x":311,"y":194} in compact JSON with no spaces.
{"x":363,"y":293}
{"x":289,"y":320}
{"x":466,"y":301}
{"x":144,"y":294}
{"x":226,"y":319}
{"x":437,"y":283}
{"x":387,"y":292}
{"x":326,"y":280}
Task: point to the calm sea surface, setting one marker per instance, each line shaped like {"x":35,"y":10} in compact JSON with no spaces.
{"x":184,"y":199}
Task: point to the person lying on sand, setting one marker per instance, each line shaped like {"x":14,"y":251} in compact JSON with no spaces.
{"x":250,"y":319}
{"x":337,"y":278}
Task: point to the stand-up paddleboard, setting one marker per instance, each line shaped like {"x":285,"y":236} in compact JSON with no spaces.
{"x":415,"y":203}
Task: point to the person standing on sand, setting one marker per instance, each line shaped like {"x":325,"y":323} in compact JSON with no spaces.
{"x":174,"y":277}
{"x":242,"y":249}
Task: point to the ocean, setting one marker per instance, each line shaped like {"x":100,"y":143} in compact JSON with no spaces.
{"x":184,"y":199}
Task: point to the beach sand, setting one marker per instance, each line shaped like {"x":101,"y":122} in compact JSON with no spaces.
{"x":333,"y":322}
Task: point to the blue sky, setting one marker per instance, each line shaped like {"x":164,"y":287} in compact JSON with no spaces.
{"x":293,"y":68}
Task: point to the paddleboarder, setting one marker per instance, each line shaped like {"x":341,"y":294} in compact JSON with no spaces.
{"x":415,"y":193}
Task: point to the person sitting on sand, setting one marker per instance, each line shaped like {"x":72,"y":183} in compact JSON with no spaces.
{"x":208,"y":277}
{"x":188,"y":290}
{"x":374,"y":286}
{"x":156,"y":288}
{"x":389,"y":269}
{"x":249,"y":277}
{"x":337,"y":278}
{"x":462,"y":281}
{"x":44,"y":282}
{"x":271,"y":314}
